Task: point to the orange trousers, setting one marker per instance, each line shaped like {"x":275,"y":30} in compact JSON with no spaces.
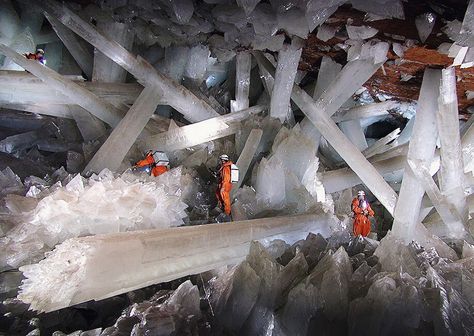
{"x":361,"y":225}
{"x":223,"y":196}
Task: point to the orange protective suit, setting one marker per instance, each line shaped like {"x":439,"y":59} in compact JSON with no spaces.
{"x":224,"y":187}
{"x":361,"y":224}
{"x":149,"y":161}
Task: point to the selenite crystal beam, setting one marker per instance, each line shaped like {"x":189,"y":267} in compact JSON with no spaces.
{"x":176,"y":95}
{"x":247,"y":155}
{"x":288,"y":59}
{"x":468,"y":149}
{"x":379,"y":146}
{"x":105,"y":69}
{"x":328,"y":71}
{"x":422,"y":147}
{"x":365,"y":111}
{"x":242,"y":82}
{"x":197,"y":133}
{"x":451,"y":173}
{"x":76,"y":46}
{"x":445,"y":208}
{"x":78,"y":95}
{"x":348,"y":80}
{"x":340,"y":179}
{"x":317,"y":113}
{"x":55,"y":110}
{"x":20,"y":87}
{"x":112,"y":152}
{"x":102,"y":266}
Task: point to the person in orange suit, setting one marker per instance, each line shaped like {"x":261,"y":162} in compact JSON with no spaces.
{"x":38,"y":56}
{"x":361,"y":210}
{"x":224,"y":185}
{"x":149,"y":164}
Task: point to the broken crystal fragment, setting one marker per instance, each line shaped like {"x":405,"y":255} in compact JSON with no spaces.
{"x":326,"y":32}
{"x":360,"y":32}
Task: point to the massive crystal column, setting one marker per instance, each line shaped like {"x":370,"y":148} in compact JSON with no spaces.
{"x":288,"y":59}
{"x":242,"y":82}
{"x":317,"y":113}
{"x":78,"y":95}
{"x":75,"y":45}
{"x":348,"y":81}
{"x":176,"y":95}
{"x":328,"y":71}
{"x":247,"y":155}
{"x":98,"y":267}
{"x":112,"y":152}
{"x":443,"y":205}
{"x":105,"y":69}
{"x":365,"y":111}
{"x":451,"y":173}
{"x":23,"y":88}
{"x":340,"y":179}
{"x":195,"y":134}
{"x":468,"y":149}
{"x":422,"y":147}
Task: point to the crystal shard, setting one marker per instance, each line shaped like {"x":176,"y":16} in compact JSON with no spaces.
{"x":247,"y":155}
{"x":424,"y":24}
{"x":360,"y":32}
{"x":242,"y":82}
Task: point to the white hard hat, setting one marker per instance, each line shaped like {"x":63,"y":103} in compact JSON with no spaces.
{"x":361,"y":193}
{"x":41,"y":51}
{"x":224,"y":157}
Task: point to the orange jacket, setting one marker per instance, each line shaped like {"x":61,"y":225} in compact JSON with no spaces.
{"x":358,"y":210}
{"x":147,"y":161}
{"x":158,"y":170}
{"x":225,"y":174}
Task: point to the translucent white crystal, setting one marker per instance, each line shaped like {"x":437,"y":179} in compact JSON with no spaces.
{"x":380,"y":145}
{"x":360,"y":32}
{"x":105,"y":69}
{"x":177,"y":96}
{"x":182,"y":10}
{"x":376,"y":50}
{"x":398,"y":49}
{"x":197,"y":62}
{"x":247,"y":5}
{"x":318,"y":111}
{"x":422,"y":146}
{"x":149,"y":257}
{"x":103,"y":110}
{"x":290,"y":21}
{"x":75,"y":46}
{"x":451,"y":174}
{"x":247,"y":155}
{"x":288,"y":60}
{"x":365,"y":111}
{"x":424,"y":24}
{"x":23,"y":43}
{"x":103,"y":205}
{"x":242,"y":82}
{"x":195,"y":134}
{"x":387,"y":9}
{"x":326,"y":32}
{"x":119,"y":142}
{"x":354,"y":132}
{"x":319,"y":14}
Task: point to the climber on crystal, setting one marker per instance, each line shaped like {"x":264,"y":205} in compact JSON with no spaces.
{"x":224,"y":182}
{"x":361,"y":211}
{"x":38,"y":56}
{"x":155,"y":163}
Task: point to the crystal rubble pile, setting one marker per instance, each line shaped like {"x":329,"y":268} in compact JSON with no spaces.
{"x":101,"y":204}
